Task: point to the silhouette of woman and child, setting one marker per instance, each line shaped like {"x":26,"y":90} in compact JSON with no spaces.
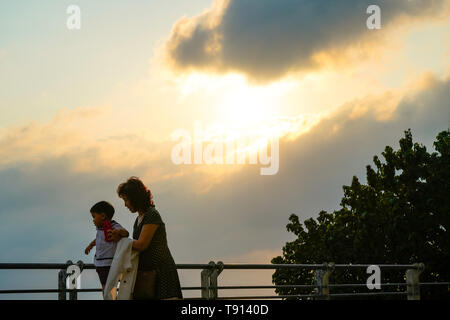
{"x":157,"y":276}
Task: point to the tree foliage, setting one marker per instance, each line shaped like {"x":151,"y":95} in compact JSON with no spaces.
{"x":401,"y":216}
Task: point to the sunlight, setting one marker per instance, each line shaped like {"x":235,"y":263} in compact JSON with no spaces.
{"x":243,"y":112}
{"x":238,"y":107}
{"x":243,"y":107}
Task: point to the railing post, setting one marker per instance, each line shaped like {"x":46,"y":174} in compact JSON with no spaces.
{"x":213,"y":293}
{"x":62,"y":275}
{"x":412,"y":281}
{"x":322,"y":281}
{"x":205,"y":280}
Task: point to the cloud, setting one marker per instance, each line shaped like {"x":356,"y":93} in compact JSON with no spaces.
{"x":266,"y":39}
{"x":83,"y":140}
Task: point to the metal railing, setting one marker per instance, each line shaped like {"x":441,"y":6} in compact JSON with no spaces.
{"x":210,"y":272}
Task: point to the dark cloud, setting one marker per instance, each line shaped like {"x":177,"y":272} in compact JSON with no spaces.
{"x":265,"y":39}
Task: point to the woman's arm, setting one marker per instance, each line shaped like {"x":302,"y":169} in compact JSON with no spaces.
{"x":123,"y":233}
{"x":147,"y":233}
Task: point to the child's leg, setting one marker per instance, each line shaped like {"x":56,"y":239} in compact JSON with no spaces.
{"x":103,"y":275}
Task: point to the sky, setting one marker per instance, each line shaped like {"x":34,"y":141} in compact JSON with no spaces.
{"x":82,"y":110}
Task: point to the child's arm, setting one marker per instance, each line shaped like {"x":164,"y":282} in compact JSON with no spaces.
{"x":89,"y":247}
{"x":117,"y":234}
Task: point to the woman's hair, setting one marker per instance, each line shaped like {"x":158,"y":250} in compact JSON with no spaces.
{"x":137,"y":193}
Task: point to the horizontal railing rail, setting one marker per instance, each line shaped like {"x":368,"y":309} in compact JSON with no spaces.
{"x":242,"y":266}
{"x":210,"y":272}
{"x":57,"y":266}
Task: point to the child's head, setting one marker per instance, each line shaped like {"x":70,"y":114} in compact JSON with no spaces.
{"x":101,"y":211}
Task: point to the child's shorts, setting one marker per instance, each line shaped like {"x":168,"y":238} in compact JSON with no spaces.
{"x":102,"y":274}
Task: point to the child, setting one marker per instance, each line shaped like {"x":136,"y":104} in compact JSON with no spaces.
{"x":105,"y":248}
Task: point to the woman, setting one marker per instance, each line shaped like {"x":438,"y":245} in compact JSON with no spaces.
{"x":157,"y":276}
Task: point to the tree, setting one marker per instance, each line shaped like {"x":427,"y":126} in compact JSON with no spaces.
{"x":401,"y":216}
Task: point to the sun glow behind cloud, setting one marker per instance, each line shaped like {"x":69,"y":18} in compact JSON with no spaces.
{"x":235,"y":100}
{"x":256,"y":113}
{"x":237,"y":105}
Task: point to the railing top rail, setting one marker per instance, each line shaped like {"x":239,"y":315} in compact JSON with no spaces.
{"x":384,"y":266}
{"x":315,"y":266}
{"x":225,"y":266}
{"x":33,"y":265}
{"x":85,"y":266}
